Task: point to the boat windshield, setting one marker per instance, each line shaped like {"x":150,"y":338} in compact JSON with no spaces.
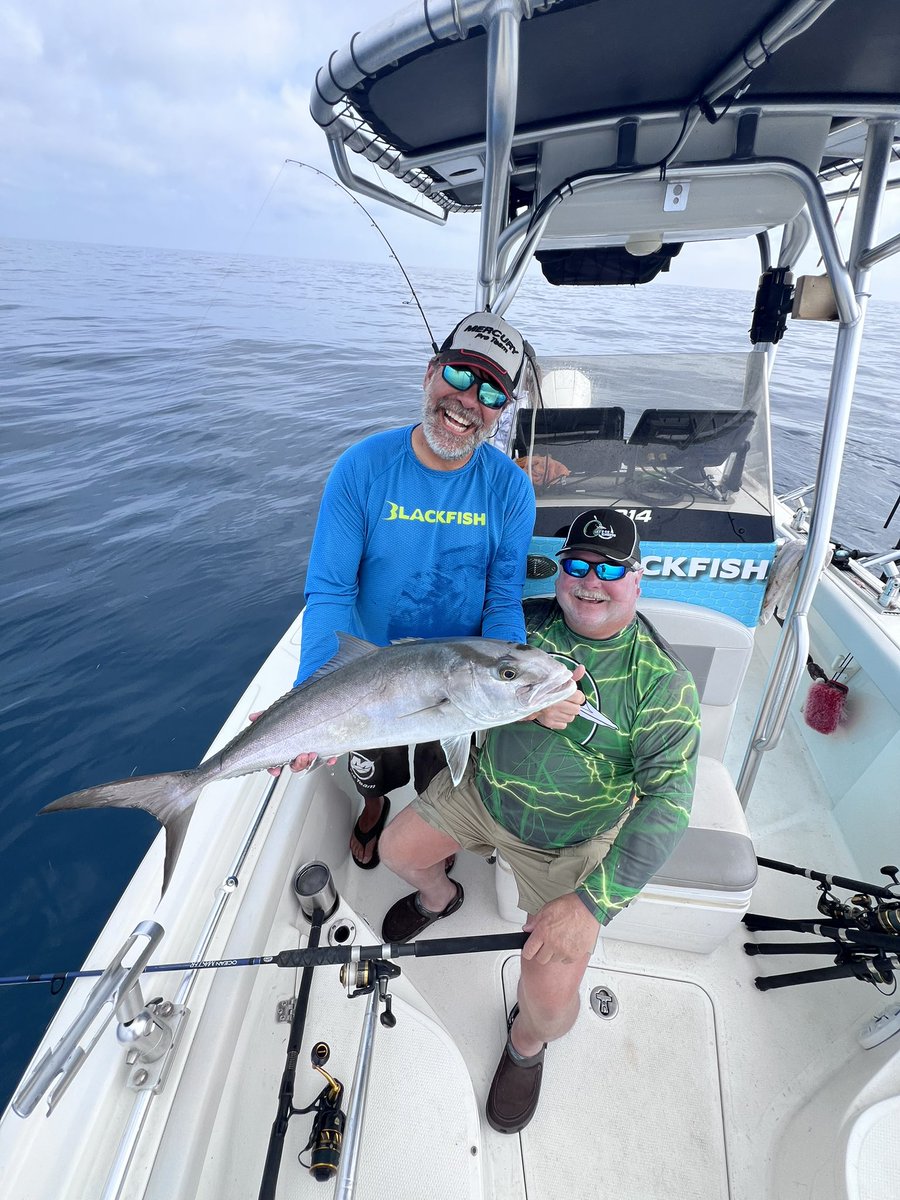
{"x":660,"y":431}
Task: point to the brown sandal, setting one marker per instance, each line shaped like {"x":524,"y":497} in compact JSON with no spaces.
{"x":405,"y":919}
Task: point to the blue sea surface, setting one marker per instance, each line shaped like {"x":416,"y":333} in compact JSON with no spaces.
{"x":168,"y":423}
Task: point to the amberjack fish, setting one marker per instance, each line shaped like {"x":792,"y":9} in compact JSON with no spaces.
{"x":365,"y":697}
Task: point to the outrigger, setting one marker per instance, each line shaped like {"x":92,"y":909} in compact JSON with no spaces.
{"x":602,"y":139}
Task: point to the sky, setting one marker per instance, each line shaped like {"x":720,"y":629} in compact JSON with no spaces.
{"x":166,"y":123}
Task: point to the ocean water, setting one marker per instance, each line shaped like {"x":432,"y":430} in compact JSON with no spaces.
{"x":168,"y":421}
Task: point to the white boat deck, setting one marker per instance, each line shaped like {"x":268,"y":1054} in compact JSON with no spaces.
{"x":702,"y":1086}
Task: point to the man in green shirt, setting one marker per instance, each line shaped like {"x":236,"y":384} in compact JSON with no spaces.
{"x":584,"y":813}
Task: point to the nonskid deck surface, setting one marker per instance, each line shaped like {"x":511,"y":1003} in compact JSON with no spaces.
{"x":632,"y":1102}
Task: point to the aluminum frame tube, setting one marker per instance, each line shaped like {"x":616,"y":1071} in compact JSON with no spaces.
{"x":502,"y":89}
{"x":783,"y":28}
{"x":797,"y":173}
{"x":357,"y":184}
{"x":877,"y":254}
{"x":789,"y":660}
{"x":356,"y":1109}
{"x":794,"y":239}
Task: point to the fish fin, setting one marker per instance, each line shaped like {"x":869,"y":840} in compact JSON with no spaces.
{"x":169,"y":797}
{"x":590,"y":713}
{"x":350,"y":649}
{"x":176,"y":829}
{"x":456,"y":751}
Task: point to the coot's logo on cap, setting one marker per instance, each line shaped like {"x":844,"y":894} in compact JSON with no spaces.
{"x":596,"y":529}
{"x":604,"y":531}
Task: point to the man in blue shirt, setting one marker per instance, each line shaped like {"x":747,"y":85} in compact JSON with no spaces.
{"x":423,"y":532}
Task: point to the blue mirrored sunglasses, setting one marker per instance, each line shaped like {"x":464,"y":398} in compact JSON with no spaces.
{"x":462,"y":379}
{"x":603,"y":570}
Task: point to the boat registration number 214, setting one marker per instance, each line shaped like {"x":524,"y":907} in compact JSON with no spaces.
{"x":637,"y":514}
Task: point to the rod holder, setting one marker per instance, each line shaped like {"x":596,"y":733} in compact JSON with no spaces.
{"x":314,"y":888}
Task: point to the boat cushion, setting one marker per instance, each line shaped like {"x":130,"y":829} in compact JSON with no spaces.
{"x":716,"y":852}
{"x":716,"y":649}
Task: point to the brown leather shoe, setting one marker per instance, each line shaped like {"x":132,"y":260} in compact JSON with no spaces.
{"x":404,"y":920}
{"x":515,"y":1088}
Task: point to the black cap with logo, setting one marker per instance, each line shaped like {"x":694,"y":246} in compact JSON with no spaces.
{"x":606,"y":532}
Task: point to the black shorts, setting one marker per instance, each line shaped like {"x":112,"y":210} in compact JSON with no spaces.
{"x":377,"y":772}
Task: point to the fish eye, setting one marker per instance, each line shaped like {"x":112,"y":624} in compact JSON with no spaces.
{"x":507,"y":672}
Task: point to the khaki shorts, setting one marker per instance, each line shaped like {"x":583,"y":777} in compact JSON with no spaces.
{"x":542,"y":874}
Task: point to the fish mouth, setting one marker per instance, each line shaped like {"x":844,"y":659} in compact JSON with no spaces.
{"x":538,"y":695}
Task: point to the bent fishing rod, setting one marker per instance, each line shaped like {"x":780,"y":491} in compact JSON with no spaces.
{"x":393,"y":253}
{"x":320,"y":956}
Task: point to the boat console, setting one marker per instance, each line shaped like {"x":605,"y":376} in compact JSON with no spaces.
{"x":678,"y":442}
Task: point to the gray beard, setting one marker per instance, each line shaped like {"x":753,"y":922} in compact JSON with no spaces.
{"x":434,"y":437}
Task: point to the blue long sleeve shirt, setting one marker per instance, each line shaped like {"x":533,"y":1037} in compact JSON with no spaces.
{"x":401,"y":550}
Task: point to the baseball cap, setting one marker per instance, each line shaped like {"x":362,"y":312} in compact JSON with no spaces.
{"x":606,"y":532}
{"x":488,"y":344}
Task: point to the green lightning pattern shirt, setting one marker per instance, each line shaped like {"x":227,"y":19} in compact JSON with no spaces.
{"x":555,"y":788}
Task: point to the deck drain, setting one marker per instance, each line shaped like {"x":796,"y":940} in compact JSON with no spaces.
{"x":604,"y":1003}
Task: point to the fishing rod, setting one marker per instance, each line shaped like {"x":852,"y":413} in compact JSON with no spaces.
{"x":862,"y":932}
{"x":393,"y":253}
{"x":319,"y":956}
{"x":286,"y":1108}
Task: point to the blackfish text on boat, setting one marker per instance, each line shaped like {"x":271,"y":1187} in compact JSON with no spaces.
{"x":365,"y":697}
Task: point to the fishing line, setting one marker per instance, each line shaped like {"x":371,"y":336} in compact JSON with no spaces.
{"x":841,"y":209}
{"x":337,"y":183}
{"x":240,"y":249}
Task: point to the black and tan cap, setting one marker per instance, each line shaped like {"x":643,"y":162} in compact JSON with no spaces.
{"x":606,"y":532}
{"x":488,"y":344}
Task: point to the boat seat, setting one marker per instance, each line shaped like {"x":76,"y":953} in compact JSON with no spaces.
{"x":690,"y":441}
{"x":716,"y":649}
{"x":703,"y":889}
{"x":716,"y":851}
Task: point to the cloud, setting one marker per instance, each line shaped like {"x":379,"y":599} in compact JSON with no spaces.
{"x":168,"y":124}
{"x":137,"y":105}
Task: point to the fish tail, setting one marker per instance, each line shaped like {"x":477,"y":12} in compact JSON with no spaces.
{"x":169,"y":797}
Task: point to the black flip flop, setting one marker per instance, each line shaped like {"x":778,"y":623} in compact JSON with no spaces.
{"x":371,"y":835}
